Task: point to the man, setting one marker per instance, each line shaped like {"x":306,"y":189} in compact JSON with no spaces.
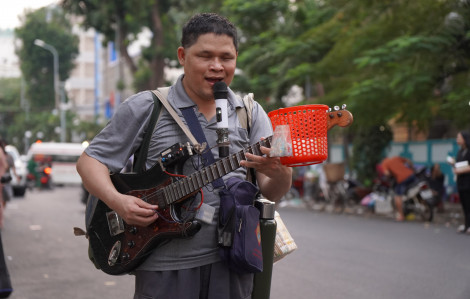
{"x":185,"y":268}
{"x":401,"y":169}
{"x":3,"y":170}
{"x":8,"y":188}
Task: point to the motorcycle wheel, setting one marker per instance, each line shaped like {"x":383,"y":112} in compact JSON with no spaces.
{"x":427,"y":213}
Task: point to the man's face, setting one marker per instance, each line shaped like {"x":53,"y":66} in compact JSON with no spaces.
{"x":211,"y":59}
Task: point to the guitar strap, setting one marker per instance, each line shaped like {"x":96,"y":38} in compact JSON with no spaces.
{"x":160,"y":97}
{"x":140,"y":156}
{"x":195,"y":127}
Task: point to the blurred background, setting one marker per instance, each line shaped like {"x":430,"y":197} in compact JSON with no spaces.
{"x":401,"y":68}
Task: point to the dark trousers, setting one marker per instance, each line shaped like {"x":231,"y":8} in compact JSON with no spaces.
{"x":213,"y":281}
{"x":465,"y":201}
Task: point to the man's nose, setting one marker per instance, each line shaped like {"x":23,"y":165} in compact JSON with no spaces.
{"x":216,"y":64}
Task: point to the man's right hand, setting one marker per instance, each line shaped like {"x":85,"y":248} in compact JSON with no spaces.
{"x":95,"y":177}
{"x":135,"y":211}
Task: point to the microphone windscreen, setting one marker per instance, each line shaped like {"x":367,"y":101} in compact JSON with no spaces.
{"x":220,"y":90}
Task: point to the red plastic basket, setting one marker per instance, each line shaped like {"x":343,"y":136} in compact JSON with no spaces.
{"x":308,"y":127}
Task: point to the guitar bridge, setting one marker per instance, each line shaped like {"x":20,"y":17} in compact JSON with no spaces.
{"x":115,"y":223}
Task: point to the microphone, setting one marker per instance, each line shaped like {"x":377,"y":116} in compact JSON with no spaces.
{"x":220,"y":95}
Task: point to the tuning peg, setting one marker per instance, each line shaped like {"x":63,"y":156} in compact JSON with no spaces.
{"x":336,"y":108}
{"x":343,"y":107}
{"x":329,"y":109}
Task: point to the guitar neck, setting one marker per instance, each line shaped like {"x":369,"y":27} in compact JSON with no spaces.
{"x":190,"y":184}
{"x":187,"y":186}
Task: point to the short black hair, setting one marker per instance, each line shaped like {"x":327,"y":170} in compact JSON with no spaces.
{"x":207,"y":23}
{"x":466,"y":138}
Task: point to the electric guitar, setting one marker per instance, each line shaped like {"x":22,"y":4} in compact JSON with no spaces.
{"x":118,"y":248}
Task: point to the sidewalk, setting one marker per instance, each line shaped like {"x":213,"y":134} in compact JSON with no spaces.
{"x":451,"y":216}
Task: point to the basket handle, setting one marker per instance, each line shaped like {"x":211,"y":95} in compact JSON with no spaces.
{"x":340,"y":117}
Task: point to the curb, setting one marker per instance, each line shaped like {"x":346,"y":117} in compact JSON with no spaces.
{"x":451,"y":216}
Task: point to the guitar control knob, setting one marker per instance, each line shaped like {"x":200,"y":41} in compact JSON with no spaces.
{"x":131,"y":244}
{"x":133,"y":230}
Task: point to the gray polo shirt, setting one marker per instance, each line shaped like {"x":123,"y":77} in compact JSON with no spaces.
{"x":122,"y":136}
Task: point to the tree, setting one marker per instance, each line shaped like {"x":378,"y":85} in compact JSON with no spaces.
{"x":402,"y":60}
{"x":369,"y":146}
{"x":50,"y":25}
{"x":121,"y":22}
{"x":9,"y":104}
{"x":386,"y":59}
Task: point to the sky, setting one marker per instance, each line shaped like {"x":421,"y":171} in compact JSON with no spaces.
{"x":10,"y":11}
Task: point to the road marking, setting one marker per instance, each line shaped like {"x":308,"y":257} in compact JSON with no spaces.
{"x":110,"y":283}
{"x":35,"y":227}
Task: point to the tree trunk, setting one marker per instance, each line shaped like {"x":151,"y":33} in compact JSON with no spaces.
{"x":157,"y":63}
{"x":124,"y":53}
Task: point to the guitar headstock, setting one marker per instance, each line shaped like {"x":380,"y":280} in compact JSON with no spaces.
{"x":339,"y":116}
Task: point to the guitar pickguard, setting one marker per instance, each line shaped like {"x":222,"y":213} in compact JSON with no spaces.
{"x":115,"y":223}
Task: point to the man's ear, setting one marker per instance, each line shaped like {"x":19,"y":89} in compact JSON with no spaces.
{"x":181,"y":55}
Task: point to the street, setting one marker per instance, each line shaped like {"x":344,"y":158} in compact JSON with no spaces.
{"x":339,"y":256}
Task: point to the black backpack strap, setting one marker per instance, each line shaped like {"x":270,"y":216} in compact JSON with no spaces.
{"x":140,"y":156}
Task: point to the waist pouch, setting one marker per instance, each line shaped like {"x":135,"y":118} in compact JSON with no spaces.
{"x":239,"y":235}
{"x":6,"y":178}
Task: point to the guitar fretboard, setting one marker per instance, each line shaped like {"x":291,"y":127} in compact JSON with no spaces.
{"x":192,"y":183}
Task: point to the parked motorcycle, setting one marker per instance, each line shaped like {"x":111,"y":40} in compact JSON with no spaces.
{"x":419,"y":199}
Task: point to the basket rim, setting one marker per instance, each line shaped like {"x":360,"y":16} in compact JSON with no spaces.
{"x":300,"y":107}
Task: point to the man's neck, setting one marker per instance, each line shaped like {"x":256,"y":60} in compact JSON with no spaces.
{"x":207,"y":108}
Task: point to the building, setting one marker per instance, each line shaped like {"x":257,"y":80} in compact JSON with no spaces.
{"x":9,"y":66}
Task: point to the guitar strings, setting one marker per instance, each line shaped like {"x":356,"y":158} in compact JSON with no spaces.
{"x":196,"y":164}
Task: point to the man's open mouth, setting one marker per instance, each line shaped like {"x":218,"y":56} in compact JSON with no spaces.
{"x":214,"y":80}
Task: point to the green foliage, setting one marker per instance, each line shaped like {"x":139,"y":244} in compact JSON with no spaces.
{"x":9,"y":103}
{"x":385,"y":59}
{"x":368,"y":150}
{"x":37,"y":67}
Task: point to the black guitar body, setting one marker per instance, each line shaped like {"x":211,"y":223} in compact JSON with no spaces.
{"x":118,"y":248}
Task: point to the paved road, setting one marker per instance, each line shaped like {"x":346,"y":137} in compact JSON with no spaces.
{"x":45,"y":259}
{"x":339,"y":256}
{"x":353,"y":257}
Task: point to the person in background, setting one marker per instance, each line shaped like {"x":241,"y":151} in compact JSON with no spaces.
{"x":3,"y":169}
{"x":401,"y":170}
{"x":8,"y":188}
{"x":189,"y":267}
{"x":436,"y":183}
{"x":462,"y":171}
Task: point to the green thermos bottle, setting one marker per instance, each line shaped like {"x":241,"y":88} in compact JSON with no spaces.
{"x":262,"y":280}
